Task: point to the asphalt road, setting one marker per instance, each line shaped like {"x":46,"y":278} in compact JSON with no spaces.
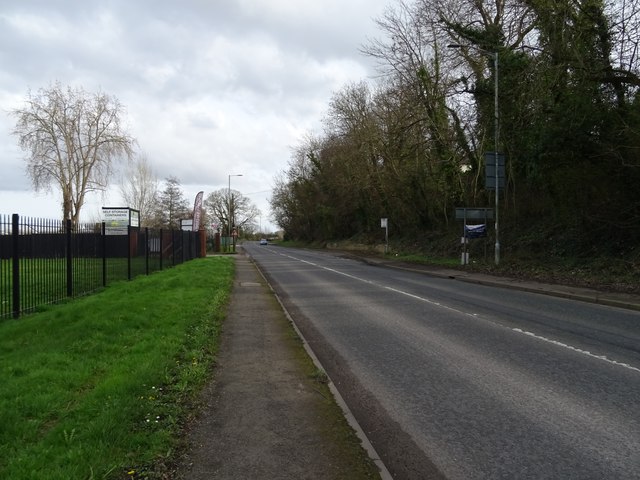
{"x":461,"y":381}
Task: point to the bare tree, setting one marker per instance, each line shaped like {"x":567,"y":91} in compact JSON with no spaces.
{"x":139,"y":187}
{"x":230,"y":208}
{"x":71,"y":137}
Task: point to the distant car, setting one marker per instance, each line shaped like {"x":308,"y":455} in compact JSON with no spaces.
{"x":263,"y":241}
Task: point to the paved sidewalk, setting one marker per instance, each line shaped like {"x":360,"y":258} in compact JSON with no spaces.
{"x":265,"y":417}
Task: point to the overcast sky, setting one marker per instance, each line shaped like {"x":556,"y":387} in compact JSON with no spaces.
{"x":211,"y":87}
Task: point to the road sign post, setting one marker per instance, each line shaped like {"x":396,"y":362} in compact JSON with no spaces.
{"x":472,"y":231}
{"x":385,"y":224}
{"x":495,"y":180}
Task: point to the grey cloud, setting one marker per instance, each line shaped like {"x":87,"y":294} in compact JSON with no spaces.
{"x":209,"y":85}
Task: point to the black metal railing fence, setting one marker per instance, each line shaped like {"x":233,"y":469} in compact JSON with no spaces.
{"x":46,"y":261}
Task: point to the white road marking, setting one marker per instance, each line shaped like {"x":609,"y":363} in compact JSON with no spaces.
{"x":603,"y":358}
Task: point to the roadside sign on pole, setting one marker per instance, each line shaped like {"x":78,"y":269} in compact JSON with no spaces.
{"x":472,"y":231}
{"x":490,"y":170}
{"x":385,"y":224}
{"x":474,"y":213}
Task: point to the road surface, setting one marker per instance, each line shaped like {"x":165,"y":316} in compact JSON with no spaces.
{"x":461,"y":381}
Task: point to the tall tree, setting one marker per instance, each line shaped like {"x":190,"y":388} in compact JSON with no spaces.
{"x":139,"y":188}
{"x":422,"y":131}
{"x":72,"y":138}
{"x":172,"y":205}
{"x":568,"y":122}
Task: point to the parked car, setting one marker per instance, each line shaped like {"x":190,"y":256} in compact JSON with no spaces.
{"x":263,"y":241}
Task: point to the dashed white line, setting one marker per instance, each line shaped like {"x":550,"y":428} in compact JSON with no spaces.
{"x":603,"y":358}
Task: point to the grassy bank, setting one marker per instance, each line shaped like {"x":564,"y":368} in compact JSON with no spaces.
{"x":98,"y":387}
{"x":527,"y":257}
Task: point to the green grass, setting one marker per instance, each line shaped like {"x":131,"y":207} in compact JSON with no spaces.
{"x":98,"y":387}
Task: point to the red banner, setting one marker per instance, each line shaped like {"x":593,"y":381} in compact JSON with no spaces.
{"x":197,"y":212}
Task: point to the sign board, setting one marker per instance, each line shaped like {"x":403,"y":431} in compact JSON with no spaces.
{"x":118,"y":219}
{"x":475,"y":231}
{"x":134,"y":218}
{"x":186,"y":224}
{"x":474,"y":213}
{"x":384,"y":223}
{"x":490,"y":170}
{"x":472,"y":231}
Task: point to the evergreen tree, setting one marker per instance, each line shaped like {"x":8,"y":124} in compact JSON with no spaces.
{"x":172,"y":205}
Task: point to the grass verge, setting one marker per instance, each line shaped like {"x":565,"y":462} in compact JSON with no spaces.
{"x":526,"y":258}
{"x":99,"y":387}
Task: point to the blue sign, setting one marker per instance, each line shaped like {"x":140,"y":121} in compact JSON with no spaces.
{"x":475,"y":231}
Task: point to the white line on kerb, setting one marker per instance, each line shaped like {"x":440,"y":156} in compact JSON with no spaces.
{"x":603,"y":358}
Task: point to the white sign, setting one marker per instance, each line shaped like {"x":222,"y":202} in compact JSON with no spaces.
{"x":384,"y":224}
{"x":186,"y":225}
{"x":118,"y":219}
{"x":135,"y":218}
{"x":116,"y":214}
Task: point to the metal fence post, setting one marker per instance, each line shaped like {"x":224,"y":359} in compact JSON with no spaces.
{"x":69,"y":259}
{"x":129,"y":252}
{"x":161,"y":248}
{"x":173,"y":248}
{"x":15,"y":256}
{"x":146,"y":250}
{"x":104,"y":255}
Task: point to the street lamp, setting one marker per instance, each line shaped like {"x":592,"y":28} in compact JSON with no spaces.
{"x":493,"y":55}
{"x":230,"y":216}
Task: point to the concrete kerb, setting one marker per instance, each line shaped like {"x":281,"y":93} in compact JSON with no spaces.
{"x":351,"y":419}
{"x":583,"y":295}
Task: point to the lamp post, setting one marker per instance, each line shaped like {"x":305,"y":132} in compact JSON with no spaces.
{"x":496,"y":136}
{"x":230,"y":216}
